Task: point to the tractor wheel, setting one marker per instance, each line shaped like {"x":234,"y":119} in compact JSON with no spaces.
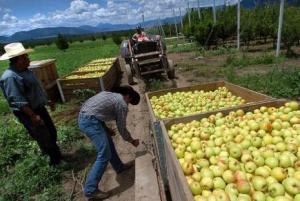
{"x":129,"y":74}
{"x":171,"y":69}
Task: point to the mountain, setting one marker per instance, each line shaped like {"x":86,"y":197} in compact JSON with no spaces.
{"x":50,"y":32}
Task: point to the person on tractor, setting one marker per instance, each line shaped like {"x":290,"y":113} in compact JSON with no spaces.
{"x":140,"y":35}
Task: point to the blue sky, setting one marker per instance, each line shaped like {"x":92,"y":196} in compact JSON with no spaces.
{"x":23,"y":15}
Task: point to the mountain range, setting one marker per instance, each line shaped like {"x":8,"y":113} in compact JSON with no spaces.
{"x":50,"y":32}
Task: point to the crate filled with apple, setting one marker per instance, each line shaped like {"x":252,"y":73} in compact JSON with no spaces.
{"x":98,"y":75}
{"x":202,"y":98}
{"x":250,"y":153}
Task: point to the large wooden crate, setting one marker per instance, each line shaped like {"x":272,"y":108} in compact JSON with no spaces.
{"x":177,"y":182}
{"x":68,"y":87}
{"x":248,"y":95}
{"x":45,"y":71}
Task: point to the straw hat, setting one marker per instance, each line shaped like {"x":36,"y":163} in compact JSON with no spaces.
{"x":14,"y":50}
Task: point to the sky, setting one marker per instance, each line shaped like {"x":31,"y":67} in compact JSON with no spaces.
{"x":23,"y":15}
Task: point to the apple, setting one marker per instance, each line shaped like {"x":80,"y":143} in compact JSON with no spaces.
{"x":250,"y":167}
{"x":228,"y":176}
{"x":219,"y":183}
{"x":297,"y":197}
{"x":243,"y":187}
{"x":262,"y":171}
{"x":244,"y":197}
{"x":195,"y":146}
{"x":217,"y":171}
{"x":196,"y":188}
{"x":202,"y":163}
{"x":197,"y":176}
{"x":259,"y":160}
{"x":279,"y":173}
{"x":199,"y":198}
{"x":285,"y":161}
{"x":291,"y":185}
{"x":187,"y":168}
{"x":206,"y":172}
{"x":282,"y":198}
{"x":207,"y":183}
{"x":258,"y":196}
{"x":276,"y":189}
{"x":272,"y":162}
{"x":220,"y":195}
{"x":259,"y":183}
{"x":200,"y":154}
{"x":235,"y":152}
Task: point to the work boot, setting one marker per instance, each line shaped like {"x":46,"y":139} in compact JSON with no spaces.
{"x":126,"y":166}
{"x":97,"y":195}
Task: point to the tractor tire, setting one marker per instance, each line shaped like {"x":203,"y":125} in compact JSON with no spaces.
{"x":171,"y":70}
{"x":129,"y":74}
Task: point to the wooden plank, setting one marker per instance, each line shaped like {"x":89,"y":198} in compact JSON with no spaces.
{"x":250,"y":96}
{"x":178,"y":185}
{"x":60,"y":91}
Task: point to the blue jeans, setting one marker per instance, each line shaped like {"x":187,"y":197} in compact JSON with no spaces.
{"x":106,"y":151}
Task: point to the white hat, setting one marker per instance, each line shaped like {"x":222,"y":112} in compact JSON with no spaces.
{"x":14,"y":50}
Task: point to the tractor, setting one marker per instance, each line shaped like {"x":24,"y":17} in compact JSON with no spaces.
{"x":145,"y":58}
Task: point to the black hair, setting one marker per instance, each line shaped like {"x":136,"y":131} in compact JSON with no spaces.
{"x":128,"y":90}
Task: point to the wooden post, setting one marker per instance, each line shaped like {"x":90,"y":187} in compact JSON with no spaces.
{"x":181,"y":19}
{"x":189,"y":13}
{"x":60,"y":91}
{"x":199,"y":12}
{"x":238,"y":24}
{"x":214,"y":12}
{"x":175,"y":25}
{"x":279,"y":27}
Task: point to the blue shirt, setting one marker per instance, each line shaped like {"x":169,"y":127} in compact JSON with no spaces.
{"x":20,"y":88}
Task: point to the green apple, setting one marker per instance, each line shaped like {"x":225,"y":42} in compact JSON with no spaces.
{"x":228,"y":176}
{"x":219,"y":183}
{"x":259,"y":183}
{"x":207,"y":183}
{"x":235,"y":152}
{"x":258,"y":196}
{"x":279,"y":173}
{"x":220,"y":195}
{"x":262,"y":171}
{"x":272,"y":162}
{"x":197,"y":176}
{"x":291,"y":185}
{"x":276,"y":189}
{"x":243,"y":187}
{"x":195,"y":146}
{"x":195,"y":188}
{"x":250,"y":167}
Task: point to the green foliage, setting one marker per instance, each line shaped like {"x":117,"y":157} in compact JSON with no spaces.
{"x":277,"y":83}
{"x":103,"y":37}
{"x":183,"y":48}
{"x":61,"y":42}
{"x":245,"y":60}
{"x":257,"y":23}
{"x":29,"y":176}
{"x":1,"y":48}
{"x":117,"y":39}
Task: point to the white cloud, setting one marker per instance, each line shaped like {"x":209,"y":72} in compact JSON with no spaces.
{"x":81,"y":12}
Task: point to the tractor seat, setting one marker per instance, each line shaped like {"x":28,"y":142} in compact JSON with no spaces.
{"x":145,"y":47}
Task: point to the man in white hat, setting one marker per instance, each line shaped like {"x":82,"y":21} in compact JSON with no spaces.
{"x":27,"y":100}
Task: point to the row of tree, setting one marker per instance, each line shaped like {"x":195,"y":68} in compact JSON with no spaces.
{"x":258,"y":23}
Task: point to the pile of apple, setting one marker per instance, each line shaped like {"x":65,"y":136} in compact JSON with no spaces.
{"x":180,"y":104}
{"x":86,"y":75}
{"x":242,"y":156}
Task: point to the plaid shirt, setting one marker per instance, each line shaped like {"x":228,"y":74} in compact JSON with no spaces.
{"x":108,"y":106}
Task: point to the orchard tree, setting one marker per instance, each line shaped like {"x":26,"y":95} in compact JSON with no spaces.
{"x":61,"y":42}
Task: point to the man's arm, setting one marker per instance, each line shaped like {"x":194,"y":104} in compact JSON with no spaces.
{"x":14,"y":92}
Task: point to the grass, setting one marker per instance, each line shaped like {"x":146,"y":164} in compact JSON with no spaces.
{"x":277,"y":83}
{"x":22,"y":168}
{"x":77,"y":54}
{"x":188,"y":47}
{"x":246,"y":60}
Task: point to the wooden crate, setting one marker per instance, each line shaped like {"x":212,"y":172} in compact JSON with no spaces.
{"x":247,"y":94}
{"x":45,"y":71}
{"x":177,"y":182}
{"x":67,"y":87}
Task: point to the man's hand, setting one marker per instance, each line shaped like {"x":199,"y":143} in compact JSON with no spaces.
{"x":135,"y":142}
{"x":110,"y":131}
{"x":51,"y":105}
{"x":36,"y":120}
